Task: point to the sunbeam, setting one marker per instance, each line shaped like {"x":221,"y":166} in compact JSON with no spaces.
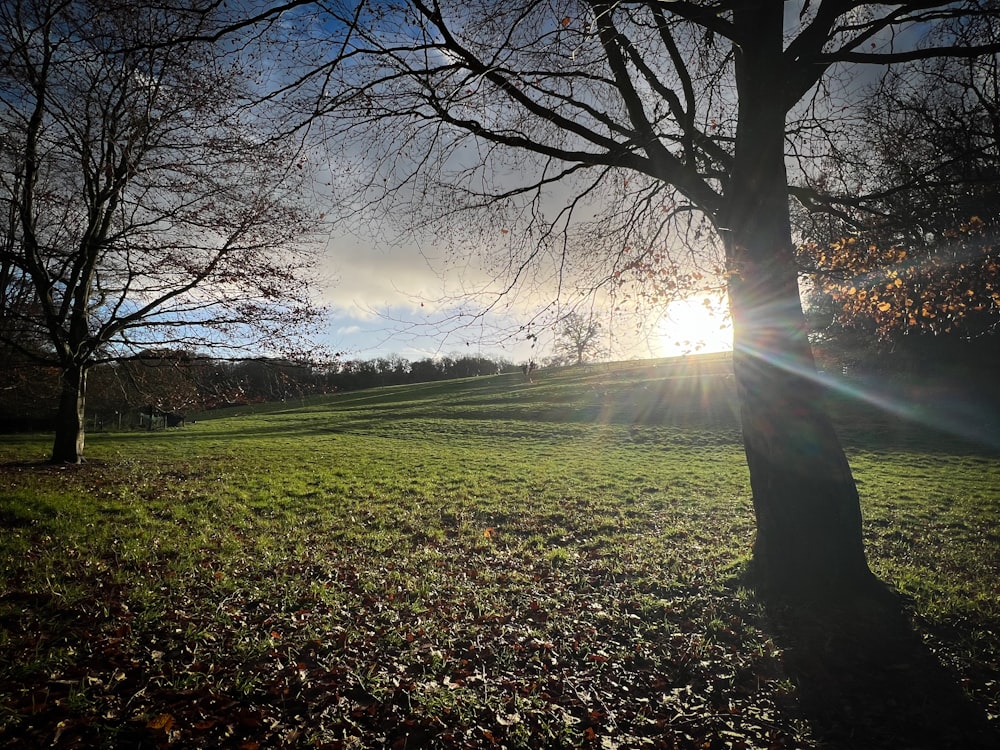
{"x":944,"y":409}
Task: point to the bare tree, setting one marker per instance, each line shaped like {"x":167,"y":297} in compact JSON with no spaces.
{"x":719,"y":109}
{"x":149,"y":205}
{"x":578,"y":338}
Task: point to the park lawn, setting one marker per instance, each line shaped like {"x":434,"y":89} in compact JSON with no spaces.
{"x":482,"y":563}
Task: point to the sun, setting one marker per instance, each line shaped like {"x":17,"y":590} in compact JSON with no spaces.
{"x":695,"y":325}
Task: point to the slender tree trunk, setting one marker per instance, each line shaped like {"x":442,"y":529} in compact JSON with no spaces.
{"x":69,"y":439}
{"x":809,"y":538}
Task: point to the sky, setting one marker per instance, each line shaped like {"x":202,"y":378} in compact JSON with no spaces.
{"x":389,"y":292}
{"x":390,"y":300}
{"x":401,"y":298}
{"x":387,"y":299}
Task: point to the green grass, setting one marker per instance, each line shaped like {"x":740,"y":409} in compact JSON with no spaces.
{"x":480,"y":563}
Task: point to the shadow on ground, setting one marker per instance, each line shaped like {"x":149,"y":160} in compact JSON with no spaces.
{"x":866,"y":680}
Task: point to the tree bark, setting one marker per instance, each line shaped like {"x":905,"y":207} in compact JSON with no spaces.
{"x":69,"y":439}
{"x":809,"y":533}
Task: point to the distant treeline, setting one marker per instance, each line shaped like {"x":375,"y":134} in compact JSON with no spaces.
{"x":142,"y":391}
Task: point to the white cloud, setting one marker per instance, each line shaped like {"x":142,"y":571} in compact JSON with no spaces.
{"x":372,"y":278}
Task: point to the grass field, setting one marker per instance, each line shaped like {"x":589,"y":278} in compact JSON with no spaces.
{"x":480,"y":563}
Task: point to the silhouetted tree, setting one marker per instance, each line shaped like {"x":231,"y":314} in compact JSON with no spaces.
{"x":578,"y":338}
{"x":146,"y":203}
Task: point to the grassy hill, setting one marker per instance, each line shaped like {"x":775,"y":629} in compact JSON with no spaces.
{"x":483,"y":563}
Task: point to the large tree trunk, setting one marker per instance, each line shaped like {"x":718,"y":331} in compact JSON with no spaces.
{"x":806,"y":502}
{"x":805,"y":498}
{"x":69,"y":439}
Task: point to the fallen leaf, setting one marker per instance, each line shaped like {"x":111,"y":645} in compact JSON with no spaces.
{"x":163,"y":721}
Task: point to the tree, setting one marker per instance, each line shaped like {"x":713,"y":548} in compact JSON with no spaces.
{"x":578,"y":338}
{"x":950,"y":288}
{"x":723,"y":109}
{"x":921,"y":261}
{"x":150,"y":204}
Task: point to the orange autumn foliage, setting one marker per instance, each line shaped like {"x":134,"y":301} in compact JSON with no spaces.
{"x":950,"y":289}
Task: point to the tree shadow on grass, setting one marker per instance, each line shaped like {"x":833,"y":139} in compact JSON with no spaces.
{"x":866,"y":680}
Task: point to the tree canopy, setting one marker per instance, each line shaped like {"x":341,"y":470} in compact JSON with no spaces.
{"x":921,"y":259}
{"x":148,"y":202}
{"x":578,"y":338}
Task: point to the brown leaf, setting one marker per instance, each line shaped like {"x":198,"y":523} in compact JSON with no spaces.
{"x":163,"y":721}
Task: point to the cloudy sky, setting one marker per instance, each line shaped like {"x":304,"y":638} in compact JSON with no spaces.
{"x":390,"y":291}
{"x":405,"y":299}
{"x":426,"y":297}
